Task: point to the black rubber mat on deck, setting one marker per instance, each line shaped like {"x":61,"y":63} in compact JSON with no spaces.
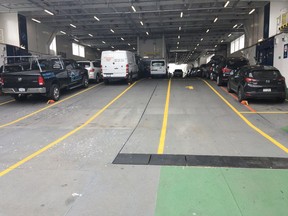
{"x":202,"y":160}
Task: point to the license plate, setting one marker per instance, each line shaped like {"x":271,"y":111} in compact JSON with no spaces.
{"x":267,"y":90}
{"x":21,"y":89}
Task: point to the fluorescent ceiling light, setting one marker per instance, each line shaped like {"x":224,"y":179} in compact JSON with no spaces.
{"x":95,"y":17}
{"x":216,"y":45}
{"x":181,"y":14}
{"x":180,"y":28}
{"x":141,"y":23}
{"x":178,"y":36}
{"x":112,"y":47}
{"x":62,"y":32}
{"x":222,"y":41}
{"x":49,"y":12}
{"x":90,"y":35}
{"x":197,"y":44}
{"x":98,"y":49}
{"x":73,"y":25}
{"x":35,"y":20}
{"x":112,"y":30}
{"x":89,"y":45}
{"x":229,"y":35}
{"x":122,"y":38}
{"x":103,"y":42}
{"x":207,"y":30}
{"x":133,"y":8}
{"x":201,"y":39}
{"x":252,"y":11}
{"x":76,"y":40}
{"x":215,"y":20}
{"x":133,"y":48}
{"x":147,"y":33}
{"x":235,"y":26}
{"x":178,"y":42}
{"x":177,"y":47}
{"x":261,"y":39}
{"x":129,"y":44}
{"x":195,"y":48}
{"x":227,"y":3}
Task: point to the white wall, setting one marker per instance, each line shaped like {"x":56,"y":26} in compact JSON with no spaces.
{"x":153,"y":48}
{"x":39,"y":37}
{"x":64,"y":45}
{"x":254,"y":28}
{"x":276,"y":9}
{"x":9,"y":24}
{"x":279,"y":62}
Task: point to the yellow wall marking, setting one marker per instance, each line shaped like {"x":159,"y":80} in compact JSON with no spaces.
{"x":275,"y":142}
{"x":189,"y":87}
{"x":6,"y":102}
{"x":47,"y":107}
{"x":165,"y":120}
{"x":16,"y":165}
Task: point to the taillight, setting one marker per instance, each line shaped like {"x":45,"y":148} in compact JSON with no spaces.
{"x":92,"y":70}
{"x":250,"y":80}
{"x":281,"y":79}
{"x":41,"y":80}
{"x":127,"y":69}
{"x":226,"y":70}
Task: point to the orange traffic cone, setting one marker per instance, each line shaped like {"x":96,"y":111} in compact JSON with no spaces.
{"x":244,"y":102}
{"x":50,"y":101}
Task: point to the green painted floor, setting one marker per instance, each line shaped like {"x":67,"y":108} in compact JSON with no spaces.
{"x":190,"y":191}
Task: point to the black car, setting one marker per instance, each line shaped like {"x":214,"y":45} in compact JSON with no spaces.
{"x":258,"y":81}
{"x":221,"y":70}
{"x":213,"y":65}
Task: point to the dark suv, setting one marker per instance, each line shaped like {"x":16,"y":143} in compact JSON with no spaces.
{"x":258,"y":81}
{"x":223,"y":69}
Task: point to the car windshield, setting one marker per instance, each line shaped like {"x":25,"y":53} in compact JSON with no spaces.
{"x":264,"y":74}
{"x":158,"y":63}
{"x":234,"y":64}
{"x":84,"y":64}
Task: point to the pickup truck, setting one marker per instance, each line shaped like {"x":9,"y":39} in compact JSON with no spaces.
{"x":31,"y":75}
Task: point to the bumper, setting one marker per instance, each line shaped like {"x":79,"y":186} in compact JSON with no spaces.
{"x":265,"y":95}
{"x":41,"y":90}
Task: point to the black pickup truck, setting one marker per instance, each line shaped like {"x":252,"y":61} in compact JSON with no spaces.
{"x":31,"y":75}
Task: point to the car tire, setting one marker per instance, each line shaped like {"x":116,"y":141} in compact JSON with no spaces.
{"x":20,"y":97}
{"x":281,"y":100}
{"x":229,"y":87}
{"x":211,"y":76}
{"x":97,"y":80}
{"x":85,"y":81}
{"x":130,"y":79}
{"x":106,"y":81}
{"x":219,"y":81}
{"x":54,"y":93}
{"x":240,"y":94}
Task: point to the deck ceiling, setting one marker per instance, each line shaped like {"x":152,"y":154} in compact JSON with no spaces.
{"x":159,"y":17}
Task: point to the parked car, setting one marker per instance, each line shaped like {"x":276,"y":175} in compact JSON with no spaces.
{"x":178,"y":73}
{"x":118,"y":65}
{"x":257,"y":81}
{"x":213,"y":64}
{"x":93,"y":68}
{"x":41,"y":76}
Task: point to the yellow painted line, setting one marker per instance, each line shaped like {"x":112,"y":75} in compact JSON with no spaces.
{"x":165,"y":120}
{"x":189,"y":87}
{"x":6,"y":102}
{"x":272,"y":140}
{"x":272,"y":112}
{"x":47,"y":107}
{"x":16,"y":165}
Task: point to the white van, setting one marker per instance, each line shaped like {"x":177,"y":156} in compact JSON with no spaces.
{"x":118,"y":65}
{"x":158,"y":67}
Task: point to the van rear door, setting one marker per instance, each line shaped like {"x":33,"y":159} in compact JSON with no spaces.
{"x":158,"y":67}
{"x":114,"y":64}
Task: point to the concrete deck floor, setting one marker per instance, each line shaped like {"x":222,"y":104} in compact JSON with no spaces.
{"x":73,"y":174}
